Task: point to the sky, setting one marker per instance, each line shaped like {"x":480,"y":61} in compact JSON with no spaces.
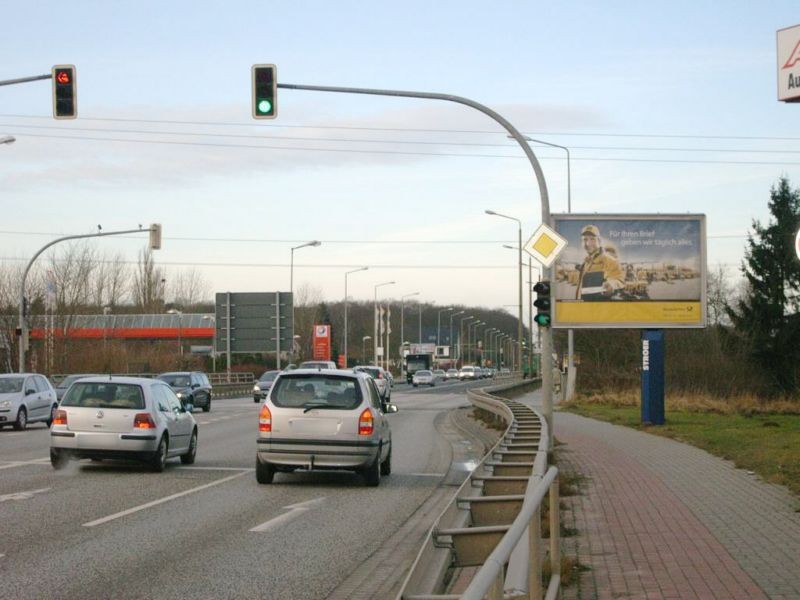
{"x":665,"y":108}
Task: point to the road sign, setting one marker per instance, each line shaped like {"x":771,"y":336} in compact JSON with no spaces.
{"x":545,"y":245}
{"x":788,"y":55}
{"x":254,"y":322}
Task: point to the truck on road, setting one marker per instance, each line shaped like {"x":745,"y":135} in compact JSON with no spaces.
{"x":417,"y":362}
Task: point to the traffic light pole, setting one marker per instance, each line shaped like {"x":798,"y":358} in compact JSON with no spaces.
{"x":22,"y":324}
{"x":546,"y":332}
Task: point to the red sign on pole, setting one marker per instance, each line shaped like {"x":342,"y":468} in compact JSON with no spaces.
{"x":322,"y":342}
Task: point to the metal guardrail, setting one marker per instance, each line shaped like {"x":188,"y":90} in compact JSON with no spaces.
{"x":497,"y":530}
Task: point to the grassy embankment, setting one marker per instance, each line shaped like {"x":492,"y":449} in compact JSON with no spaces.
{"x":763,"y":437}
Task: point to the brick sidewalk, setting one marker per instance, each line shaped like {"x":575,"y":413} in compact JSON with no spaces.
{"x":661,"y":519}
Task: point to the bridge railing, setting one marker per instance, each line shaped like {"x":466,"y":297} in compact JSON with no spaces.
{"x":491,"y":528}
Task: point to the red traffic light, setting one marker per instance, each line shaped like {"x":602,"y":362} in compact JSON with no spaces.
{"x":63,"y":77}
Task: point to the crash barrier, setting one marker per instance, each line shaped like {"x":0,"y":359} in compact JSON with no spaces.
{"x":241,"y":384}
{"x":494,"y":521}
{"x":231,"y":378}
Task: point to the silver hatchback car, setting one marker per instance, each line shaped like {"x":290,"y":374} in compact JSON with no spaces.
{"x":324,"y":419}
{"x":122,"y":418}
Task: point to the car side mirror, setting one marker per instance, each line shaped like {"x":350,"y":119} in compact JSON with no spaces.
{"x":390,"y":408}
{"x":30,"y":391}
{"x":195,"y":386}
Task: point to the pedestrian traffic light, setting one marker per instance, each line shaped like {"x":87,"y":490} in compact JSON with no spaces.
{"x":542,"y":303}
{"x":65,"y":97}
{"x":265,"y":88}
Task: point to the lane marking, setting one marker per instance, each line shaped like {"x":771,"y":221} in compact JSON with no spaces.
{"x":23,"y":495}
{"x":135,"y":509}
{"x":22,"y":463}
{"x":295,"y":510}
{"x":424,"y":474}
{"x":245,"y":469}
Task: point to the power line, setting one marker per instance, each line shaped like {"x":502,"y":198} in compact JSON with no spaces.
{"x":402,"y":153}
{"x":420,"y":130}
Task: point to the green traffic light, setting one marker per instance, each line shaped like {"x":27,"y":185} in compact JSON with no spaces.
{"x":542,"y":320}
{"x":264,"y":107}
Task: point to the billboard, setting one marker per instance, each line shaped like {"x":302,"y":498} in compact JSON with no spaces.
{"x":630,"y":271}
{"x":321,"y":348}
{"x":788,"y":54}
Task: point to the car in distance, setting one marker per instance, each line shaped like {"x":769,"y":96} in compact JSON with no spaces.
{"x":317,"y":364}
{"x":26,"y":398}
{"x":191,"y":387}
{"x":261,"y":387}
{"x":131,"y":418}
{"x":423,"y":377}
{"x":64,"y":384}
{"x":440,"y":374}
{"x":468,"y":372}
{"x":324,"y":419}
{"x":381,"y":380}
{"x":451,"y":374}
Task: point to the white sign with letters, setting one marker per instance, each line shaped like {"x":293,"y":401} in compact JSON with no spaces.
{"x":789,"y":64}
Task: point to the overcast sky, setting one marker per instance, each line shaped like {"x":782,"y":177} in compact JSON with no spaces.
{"x":668,"y":107}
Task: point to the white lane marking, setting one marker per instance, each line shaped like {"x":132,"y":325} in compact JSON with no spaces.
{"x":245,"y":469}
{"x":130,"y":511}
{"x":295,"y":510}
{"x":23,"y":495}
{"x":424,"y":474}
{"x":22,"y":463}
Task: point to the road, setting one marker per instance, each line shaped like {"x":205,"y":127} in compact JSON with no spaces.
{"x":113,"y":529}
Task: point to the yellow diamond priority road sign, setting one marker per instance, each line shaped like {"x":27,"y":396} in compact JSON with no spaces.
{"x":545,"y":245}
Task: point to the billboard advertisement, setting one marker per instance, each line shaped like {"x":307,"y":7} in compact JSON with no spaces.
{"x":630,"y":271}
{"x":788,"y":54}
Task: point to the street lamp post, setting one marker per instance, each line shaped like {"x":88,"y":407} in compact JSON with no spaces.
{"x":7,"y":139}
{"x":471,"y":339}
{"x":519,"y":324}
{"x":439,"y":325}
{"x":345,"y":310}
{"x":179,"y":314}
{"x":530,"y":306}
{"x":313,"y":243}
{"x":375,"y":336}
{"x":364,"y":347}
{"x":452,"y":345}
{"x":487,"y":339}
{"x":155,"y":244}
{"x":461,"y":337}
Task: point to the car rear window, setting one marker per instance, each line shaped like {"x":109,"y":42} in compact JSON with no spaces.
{"x":104,"y":395}
{"x":373,"y":372}
{"x":425,"y":373}
{"x":269,"y":376}
{"x":316,"y":391}
{"x":175,"y":380}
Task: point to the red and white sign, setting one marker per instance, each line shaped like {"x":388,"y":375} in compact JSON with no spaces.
{"x":789,"y":64}
{"x":322,"y":342}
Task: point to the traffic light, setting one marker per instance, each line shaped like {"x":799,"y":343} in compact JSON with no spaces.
{"x":542,"y":303}
{"x":65,"y":97}
{"x":265,"y":91}
{"x":155,"y":236}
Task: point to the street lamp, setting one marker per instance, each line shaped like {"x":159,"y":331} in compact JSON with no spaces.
{"x":313,"y":243}
{"x":175,"y":311}
{"x":519,"y":325}
{"x":364,"y":347}
{"x":452,"y":346}
{"x":461,"y":337}
{"x":375,"y":337}
{"x":402,"y":315}
{"x":486,"y":341}
{"x":439,"y":326}
{"x":345,"y":310}
{"x":7,"y":139}
{"x":530,"y":307}
{"x":470,"y":346}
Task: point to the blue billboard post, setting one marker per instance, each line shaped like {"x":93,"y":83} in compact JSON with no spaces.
{"x":652,"y":376}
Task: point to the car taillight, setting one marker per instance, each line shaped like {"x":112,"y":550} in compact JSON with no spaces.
{"x":143,"y":421}
{"x":265,"y":419}
{"x":60,"y":418}
{"x":366,"y":423}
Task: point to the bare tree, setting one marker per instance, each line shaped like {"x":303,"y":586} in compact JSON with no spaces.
{"x":147,"y":286}
{"x":109,"y":286}
{"x":307,"y":302}
{"x":188,"y":287}
{"x":718,"y":295}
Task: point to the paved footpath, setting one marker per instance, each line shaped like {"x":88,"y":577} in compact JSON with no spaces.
{"x":660,"y":519}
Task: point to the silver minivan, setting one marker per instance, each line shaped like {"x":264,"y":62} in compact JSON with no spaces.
{"x":324,"y":419}
{"x":26,"y":398}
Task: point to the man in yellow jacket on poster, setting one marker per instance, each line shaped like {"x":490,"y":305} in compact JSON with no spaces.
{"x":600,"y":275}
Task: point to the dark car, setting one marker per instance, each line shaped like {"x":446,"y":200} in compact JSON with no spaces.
{"x":191,"y":387}
{"x":64,"y":384}
{"x":262,"y":386}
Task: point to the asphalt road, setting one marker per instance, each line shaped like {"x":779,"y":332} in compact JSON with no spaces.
{"x":113,"y":529}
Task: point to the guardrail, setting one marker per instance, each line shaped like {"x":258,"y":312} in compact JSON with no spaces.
{"x":498,"y":530}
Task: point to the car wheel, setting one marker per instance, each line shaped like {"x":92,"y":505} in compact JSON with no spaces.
{"x":255,"y":399}
{"x":188,"y":458}
{"x":22,"y":419}
{"x":265,"y":473}
{"x":372,"y":474}
{"x":386,"y":465}
{"x":52,"y":418}
{"x":159,"y":459}
{"x":58,"y":459}
{"x":207,"y":407}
